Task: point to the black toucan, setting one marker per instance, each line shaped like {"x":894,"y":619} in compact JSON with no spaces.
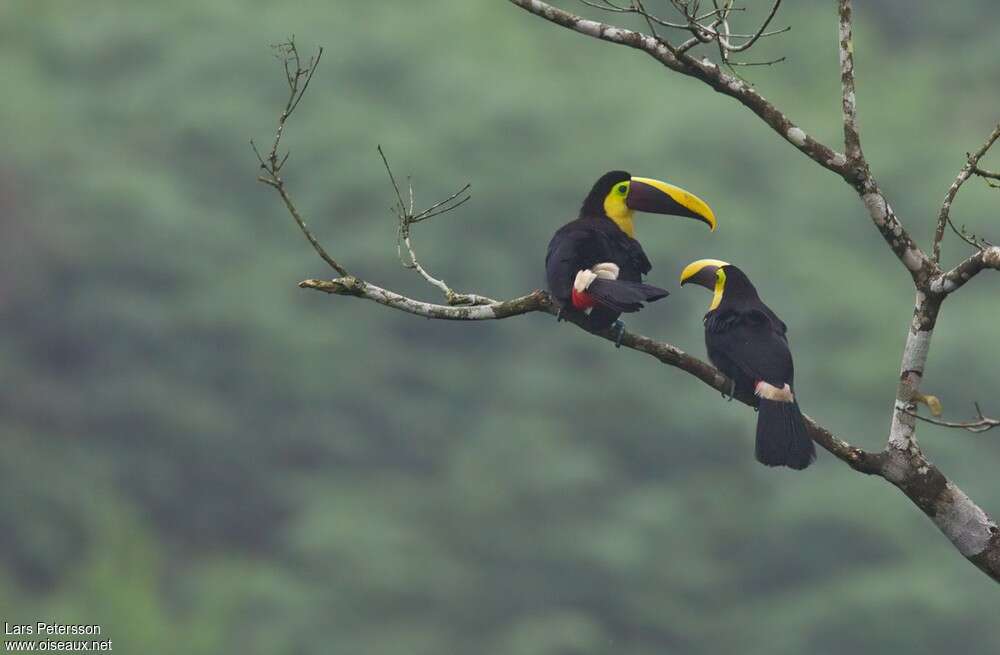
{"x":747,"y":341}
{"x":595,"y":263}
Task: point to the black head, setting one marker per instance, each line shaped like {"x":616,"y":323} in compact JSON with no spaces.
{"x":593,"y":204}
{"x":726,"y":282}
{"x":617,"y":195}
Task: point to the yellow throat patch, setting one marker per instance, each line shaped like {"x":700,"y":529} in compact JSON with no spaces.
{"x":720,"y":285}
{"x":617,"y":210}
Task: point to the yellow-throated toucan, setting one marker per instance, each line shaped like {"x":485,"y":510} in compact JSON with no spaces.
{"x":594,"y":262}
{"x":747,"y":341}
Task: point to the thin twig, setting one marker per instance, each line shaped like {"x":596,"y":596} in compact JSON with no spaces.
{"x":944,"y":216}
{"x":406,"y":217}
{"x":760,"y":31}
{"x":298,"y":77}
{"x":695,"y":23}
{"x":987,"y":176}
{"x":607,"y":6}
{"x":757,"y":63}
{"x":395,"y":187}
{"x":443,"y":206}
{"x":970,"y":238}
{"x":980,"y":424}
{"x":721,"y":15}
{"x":649,"y":21}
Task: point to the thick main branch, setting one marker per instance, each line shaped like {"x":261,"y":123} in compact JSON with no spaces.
{"x":539,"y":301}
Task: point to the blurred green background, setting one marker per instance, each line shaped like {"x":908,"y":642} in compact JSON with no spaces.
{"x":203,"y":458}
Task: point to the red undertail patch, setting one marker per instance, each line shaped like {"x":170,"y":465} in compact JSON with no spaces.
{"x":582,"y":300}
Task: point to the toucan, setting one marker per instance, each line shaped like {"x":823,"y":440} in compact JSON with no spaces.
{"x":749,"y":343}
{"x":594,"y":262}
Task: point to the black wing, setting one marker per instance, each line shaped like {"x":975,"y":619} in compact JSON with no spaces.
{"x":754,"y":343}
{"x":583,"y":243}
{"x":573,"y":248}
{"x":623,"y":295}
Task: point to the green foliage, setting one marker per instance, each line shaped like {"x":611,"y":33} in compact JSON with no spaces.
{"x":205,"y":459}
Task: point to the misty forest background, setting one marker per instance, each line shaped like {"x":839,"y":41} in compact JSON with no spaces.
{"x":203,"y":458}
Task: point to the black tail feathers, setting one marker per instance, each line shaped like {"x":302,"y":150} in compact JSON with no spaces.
{"x":782,"y":439}
{"x":624,"y":296}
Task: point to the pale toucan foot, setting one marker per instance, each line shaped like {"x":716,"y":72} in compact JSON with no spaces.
{"x":559,"y":316}
{"x":732,"y":392}
{"x":618,"y":331}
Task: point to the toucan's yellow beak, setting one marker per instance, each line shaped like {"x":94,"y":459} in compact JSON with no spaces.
{"x":656,"y":197}
{"x":702,"y":272}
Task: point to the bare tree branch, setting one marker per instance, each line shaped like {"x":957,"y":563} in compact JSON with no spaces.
{"x":852,"y":139}
{"x":968,"y":236}
{"x":981,"y":424}
{"x":719,"y":32}
{"x":407,"y":217}
{"x":708,"y":32}
{"x":703,"y":70}
{"x":957,"y":277}
{"x":694,"y":23}
{"x":604,"y":5}
{"x":987,"y":176}
{"x":488,"y":311}
{"x":539,"y":301}
{"x":901,"y":440}
{"x":769,"y":62}
{"x":761,"y":31}
{"x":944,"y":216}
{"x":298,"y":77}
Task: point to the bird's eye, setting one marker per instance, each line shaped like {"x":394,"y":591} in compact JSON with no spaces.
{"x":622,"y":189}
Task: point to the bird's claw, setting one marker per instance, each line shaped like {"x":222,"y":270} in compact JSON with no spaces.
{"x":618,"y":330}
{"x":559,"y":316}
{"x":732,"y":392}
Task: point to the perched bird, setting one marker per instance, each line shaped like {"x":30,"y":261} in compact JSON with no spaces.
{"x":594,"y":262}
{"x":747,"y":342}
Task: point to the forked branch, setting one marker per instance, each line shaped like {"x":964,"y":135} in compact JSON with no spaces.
{"x":970,"y":168}
{"x":988,"y":176}
{"x":407,"y":216}
{"x":298,"y":75}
